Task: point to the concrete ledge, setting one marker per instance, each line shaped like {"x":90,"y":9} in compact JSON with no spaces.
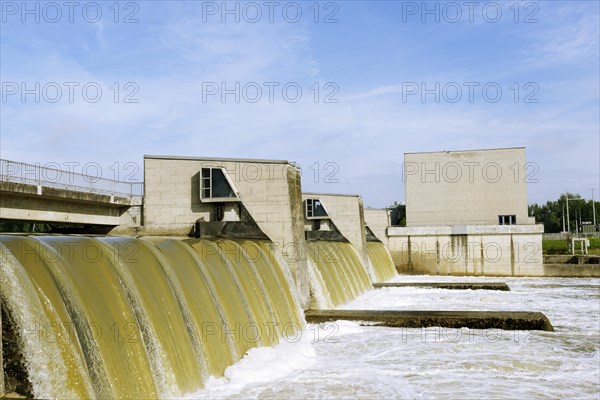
{"x":28,"y":190}
{"x":243,"y":160}
{"x":464,"y":230}
{"x":228,"y":230}
{"x":509,"y":320}
{"x":330,"y":236}
{"x":449,"y":285}
{"x":330,"y":194}
{"x":572,"y":270}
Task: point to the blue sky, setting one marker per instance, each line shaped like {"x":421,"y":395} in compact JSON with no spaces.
{"x":368,"y":56}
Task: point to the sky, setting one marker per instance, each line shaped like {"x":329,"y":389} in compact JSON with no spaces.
{"x":343,"y":88}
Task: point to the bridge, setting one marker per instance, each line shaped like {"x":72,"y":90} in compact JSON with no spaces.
{"x":37,"y":193}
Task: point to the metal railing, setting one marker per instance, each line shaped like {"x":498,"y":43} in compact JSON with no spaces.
{"x":11,"y":171}
{"x":566,"y":235}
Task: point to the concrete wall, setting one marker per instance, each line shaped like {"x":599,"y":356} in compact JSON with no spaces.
{"x":468,"y":187}
{"x":2,"y":391}
{"x":269,"y":189}
{"x":468,"y":250}
{"x":378,"y":220}
{"x":19,"y":201}
{"x":346,"y":212}
{"x":572,"y":270}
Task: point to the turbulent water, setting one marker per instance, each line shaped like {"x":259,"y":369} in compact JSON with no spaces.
{"x":155,"y":317}
{"x":337,"y":274}
{"x":380,"y":261}
{"x":346,"y":360}
{"x":133,"y":318}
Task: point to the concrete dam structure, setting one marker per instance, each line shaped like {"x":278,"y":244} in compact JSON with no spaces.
{"x":225,"y":256}
{"x":219,"y":266}
{"x":344,"y":258}
{"x":141,"y":318}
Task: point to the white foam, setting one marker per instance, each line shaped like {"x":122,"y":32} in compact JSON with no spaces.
{"x":262,"y":364}
{"x":376,"y":362}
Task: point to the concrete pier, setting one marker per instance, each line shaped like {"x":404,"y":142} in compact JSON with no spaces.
{"x":269,"y":191}
{"x":508,"y":320}
{"x":448,"y":285}
{"x":1,"y":361}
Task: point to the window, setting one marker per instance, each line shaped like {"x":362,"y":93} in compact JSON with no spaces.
{"x":216,"y":186}
{"x":314,"y":209}
{"x":507,"y":219}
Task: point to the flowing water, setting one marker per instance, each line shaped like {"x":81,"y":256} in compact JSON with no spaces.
{"x":337,"y":274}
{"x":115,"y":317}
{"x":381,"y":262}
{"x":346,"y":360}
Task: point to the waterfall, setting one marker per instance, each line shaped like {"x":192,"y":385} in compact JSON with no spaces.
{"x":114,"y":317}
{"x":337,"y":273}
{"x":381,"y":261}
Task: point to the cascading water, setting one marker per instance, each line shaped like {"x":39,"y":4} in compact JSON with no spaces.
{"x":113,"y":317}
{"x":337,"y":274}
{"x":381,"y":261}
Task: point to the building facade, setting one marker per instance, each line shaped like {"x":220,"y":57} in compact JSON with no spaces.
{"x":467,"y":214}
{"x":471,"y":187}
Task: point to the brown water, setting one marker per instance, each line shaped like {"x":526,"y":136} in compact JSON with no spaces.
{"x":337,"y":274}
{"x":381,"y":261}
{"x":116,"y":317}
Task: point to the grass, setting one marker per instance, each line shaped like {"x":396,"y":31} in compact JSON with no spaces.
{"x":552,"y":247}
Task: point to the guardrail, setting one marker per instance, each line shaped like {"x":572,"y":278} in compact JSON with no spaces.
{"x":12,"y":171}
{"x":566,"y":235}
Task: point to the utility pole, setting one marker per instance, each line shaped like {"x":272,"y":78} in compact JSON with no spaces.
{"x":568,"y":221}
{"x":563,"y":218}
{"x":594,"y":210}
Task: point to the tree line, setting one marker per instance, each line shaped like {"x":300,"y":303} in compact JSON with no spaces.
{"x":552,"y":213}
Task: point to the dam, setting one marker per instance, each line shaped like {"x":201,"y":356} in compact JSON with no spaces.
{"x":181,"y":312}
{"x":218,"y":268}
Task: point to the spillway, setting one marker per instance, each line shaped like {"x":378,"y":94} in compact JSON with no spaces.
{"x":381,"y":261}
{"x":113,"y":317}
{"x":336,"y":272}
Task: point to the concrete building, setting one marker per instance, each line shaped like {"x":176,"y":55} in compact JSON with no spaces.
{"x":183,"y":194}
{"x":466,"y":214}
{"x":471,"y":187}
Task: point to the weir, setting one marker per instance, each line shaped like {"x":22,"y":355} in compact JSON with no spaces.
{"x":336,"y":273}
{"x":139,"y":318}
{"x":381,"y":262}
{"x":228,"y":256}
{"x":344,"y":257}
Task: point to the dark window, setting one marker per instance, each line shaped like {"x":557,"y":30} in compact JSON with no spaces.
{"x":214,"y":184}
{"x":314,"y":209}
{"x":507,"y":219}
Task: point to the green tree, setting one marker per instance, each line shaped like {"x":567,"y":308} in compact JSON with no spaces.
{"x":552,"y":213}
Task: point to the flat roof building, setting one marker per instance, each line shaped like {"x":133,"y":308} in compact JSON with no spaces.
{"x":467,"y":187}
{"x":467,"y":214}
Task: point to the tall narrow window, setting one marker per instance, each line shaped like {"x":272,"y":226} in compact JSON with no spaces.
{"x":216,"y":186}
